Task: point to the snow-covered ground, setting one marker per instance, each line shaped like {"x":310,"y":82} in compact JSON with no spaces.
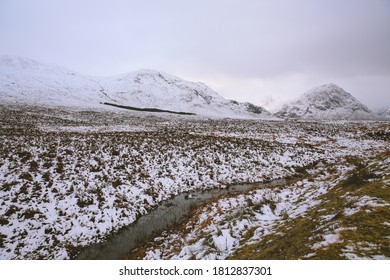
{"x":217,"y":230}
{"x":220,"y":228}
{"x":71,"y":177}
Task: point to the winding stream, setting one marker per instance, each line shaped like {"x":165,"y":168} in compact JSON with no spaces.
{"x":164,"y":216}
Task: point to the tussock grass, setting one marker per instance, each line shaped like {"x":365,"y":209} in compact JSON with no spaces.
{"x":364,"y":234}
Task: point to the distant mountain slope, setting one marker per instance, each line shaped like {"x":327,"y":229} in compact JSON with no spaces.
{"x":27,"y":81}
{"x":273,"y":103}
{"x":383,"y":112}
{"x":149,"y":88}
{"x":328,"y":102}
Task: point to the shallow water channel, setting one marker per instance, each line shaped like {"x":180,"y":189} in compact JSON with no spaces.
{"x":164,"y":216}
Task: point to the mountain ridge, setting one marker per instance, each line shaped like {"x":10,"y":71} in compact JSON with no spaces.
{"x":383,"y":111}
{"x":24,"y":80}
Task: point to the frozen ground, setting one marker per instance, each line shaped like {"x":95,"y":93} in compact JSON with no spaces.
{"x":255,"y":224}
{"x":70,"y":178}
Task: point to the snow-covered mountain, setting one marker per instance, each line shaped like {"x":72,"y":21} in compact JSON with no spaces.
{"x":329,"y":102}
{"x":383,"y":111}
{"x":149,"y":88}
{"x":274,"y":103}
{"x":26,"y":81}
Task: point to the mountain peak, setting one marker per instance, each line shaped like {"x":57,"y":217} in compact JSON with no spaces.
{"x":330,"y":96}
{"x":330,"y":86}
{"x":328,"y":101}
{"x":26,"y":81}
{"x":326,"y":90}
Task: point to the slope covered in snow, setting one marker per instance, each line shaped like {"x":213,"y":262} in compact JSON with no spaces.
{"x":148,"y":88}
{"x":274,"y":103}
{"x":383,"y":111}
{"x":328,"y":102}
{"x":74,"y":178}
{"x":29,"y":82}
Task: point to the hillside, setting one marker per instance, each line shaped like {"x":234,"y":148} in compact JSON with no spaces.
{"x":329,"y":102}
{"x":383,"y":111}
{"x":26,"y":81}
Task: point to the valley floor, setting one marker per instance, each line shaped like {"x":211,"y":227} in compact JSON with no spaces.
{"x":70,"y":178}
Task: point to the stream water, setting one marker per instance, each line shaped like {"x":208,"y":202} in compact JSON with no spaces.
{"x":164,"y":216}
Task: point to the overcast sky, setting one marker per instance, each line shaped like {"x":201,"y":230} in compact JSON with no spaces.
{"x":244,"y":49}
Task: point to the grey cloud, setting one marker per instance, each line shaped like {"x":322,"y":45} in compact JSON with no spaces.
{"x":242,"y":39}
